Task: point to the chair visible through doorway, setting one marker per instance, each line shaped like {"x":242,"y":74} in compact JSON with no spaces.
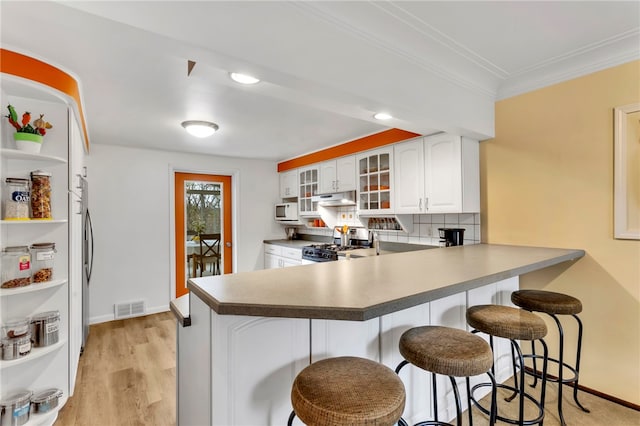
{"x":209,"y":254}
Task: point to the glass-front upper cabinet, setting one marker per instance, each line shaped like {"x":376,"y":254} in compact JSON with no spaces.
{"x":375,"y":181}
{"x":308,"y":179}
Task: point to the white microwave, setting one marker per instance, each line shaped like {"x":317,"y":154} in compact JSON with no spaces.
{"x":286,"y":212}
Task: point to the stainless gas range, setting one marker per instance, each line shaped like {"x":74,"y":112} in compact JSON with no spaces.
{"x":359,"y":238}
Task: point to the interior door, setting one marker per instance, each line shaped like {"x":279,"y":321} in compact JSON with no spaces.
{"x":202,"y":205}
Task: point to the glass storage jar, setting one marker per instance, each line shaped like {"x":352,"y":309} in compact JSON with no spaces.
{"x":40,"y":194}
{"x":16,"y":327}
{"x":16,"y":347}
{"x":16,"y":267}
{"x":42,"y":255}
{"x":15,"y":408}
{"x":45,"y":401}
{"x":16,"y":199}
{"x":45,"y":328}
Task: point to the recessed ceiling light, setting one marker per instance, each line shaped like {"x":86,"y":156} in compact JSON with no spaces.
{"x":200,"y":129}
{"x":243,"y":78}
{"x":382,"y":116}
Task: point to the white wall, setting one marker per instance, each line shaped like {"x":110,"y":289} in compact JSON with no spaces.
{"x":129,"y":200}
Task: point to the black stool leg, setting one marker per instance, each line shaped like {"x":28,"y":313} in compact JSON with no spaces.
{"x":494,"y":400}
{"x":560,"y":367}
{"x":521,"y":389}
{"x":535,"y":366}
{"x":515,"y":375}
{"x":291,"y":417}
{"x":469,"y":401}
{"x":575,"y":385}
{"x":545,"y":365}
{"x":456,"y":395}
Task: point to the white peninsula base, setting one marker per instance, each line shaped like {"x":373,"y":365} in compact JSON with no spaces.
{"x":238,"y":370}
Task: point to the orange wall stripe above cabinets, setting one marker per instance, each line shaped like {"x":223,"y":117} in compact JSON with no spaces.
{"x":385,"y":137}
{"x":35,"y":70}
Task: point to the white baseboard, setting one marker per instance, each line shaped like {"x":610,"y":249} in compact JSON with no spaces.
{"x":111,"y":317}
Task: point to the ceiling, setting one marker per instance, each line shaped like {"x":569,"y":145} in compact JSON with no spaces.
{"x":326,"y":67}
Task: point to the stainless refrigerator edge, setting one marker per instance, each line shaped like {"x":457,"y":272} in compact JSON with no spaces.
{"x":87,"y":258}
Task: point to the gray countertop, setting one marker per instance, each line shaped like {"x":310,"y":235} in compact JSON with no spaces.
{"x":296,"y":243}
{"x":365,"y":288}
{"x":180,"y":308}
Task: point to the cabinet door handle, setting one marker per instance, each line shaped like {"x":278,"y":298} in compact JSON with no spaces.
{"x":420,"y":204}
{"x":426,"y":203}
{"x":337,"y":185}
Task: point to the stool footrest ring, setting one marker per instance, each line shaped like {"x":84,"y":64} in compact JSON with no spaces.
{"x":538,"y":374}
{"x":506,"y":419}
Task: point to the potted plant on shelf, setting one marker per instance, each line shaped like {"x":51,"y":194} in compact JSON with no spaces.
{"x":28,"y":137}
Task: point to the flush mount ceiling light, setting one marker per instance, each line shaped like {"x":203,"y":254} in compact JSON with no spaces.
{"x":200,"y":129}
{"x":243,"y":78}
{"x":381,"y":116}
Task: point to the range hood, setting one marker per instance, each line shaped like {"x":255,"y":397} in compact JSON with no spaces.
{"x":336,"y":199}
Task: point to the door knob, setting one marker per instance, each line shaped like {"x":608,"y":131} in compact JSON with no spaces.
{"x":228,"y":244}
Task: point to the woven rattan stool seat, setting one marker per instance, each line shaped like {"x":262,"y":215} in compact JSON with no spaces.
{"x":446,"y":351}
{"x":547,"y":302}
{"x":507,"y":322}
{"x":348,"y":391}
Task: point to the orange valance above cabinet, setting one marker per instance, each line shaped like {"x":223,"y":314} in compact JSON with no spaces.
{"x":376,"y":140}
{"x":35,"y":70}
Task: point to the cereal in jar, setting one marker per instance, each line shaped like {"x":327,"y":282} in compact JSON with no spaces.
{"x":40,"y":194}
{"x":16,"y":199}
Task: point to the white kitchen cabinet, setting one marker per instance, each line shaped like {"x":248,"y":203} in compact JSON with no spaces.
{"x":308,"y":181}
{"x":452,"y":174}
{"x":408,"y":169}
{"x":276,"y":256}
{"x":338,"y":175}
{"x":289,"y":184}
{"x":52,"y":366}
{"x":437,"y":174}
{"x":375,"y":181}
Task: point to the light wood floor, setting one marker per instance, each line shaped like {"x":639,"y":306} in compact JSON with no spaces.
{"x":127,"y":376}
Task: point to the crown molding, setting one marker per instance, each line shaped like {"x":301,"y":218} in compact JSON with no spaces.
{"x":372,"y":39}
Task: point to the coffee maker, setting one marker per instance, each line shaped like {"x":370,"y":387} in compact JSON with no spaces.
{"x":451,"y":237}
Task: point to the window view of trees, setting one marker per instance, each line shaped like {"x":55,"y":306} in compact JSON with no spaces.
{"x":203,"y":207}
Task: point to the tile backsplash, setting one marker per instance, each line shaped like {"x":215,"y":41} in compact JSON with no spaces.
{"x":425,"y":229}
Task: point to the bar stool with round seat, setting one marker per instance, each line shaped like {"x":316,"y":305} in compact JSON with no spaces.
{"x":449,"y":352}
{"x":513,"y":324}
{"x":554,"y":304}
{"x":347,"y":391}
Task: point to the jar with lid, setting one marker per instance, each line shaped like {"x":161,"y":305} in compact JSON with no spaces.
{"x":16,"y":199}
{"x":15,"y":408}
{"x":40,"y":194}
{"x":16,"y":267}
{"x":16,"y":327}
{"x":45,"y":328}
{"x":42,"y":255}
{"x":16,"y":347}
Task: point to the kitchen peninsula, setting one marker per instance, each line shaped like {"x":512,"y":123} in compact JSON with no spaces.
{"x":251,"y":333}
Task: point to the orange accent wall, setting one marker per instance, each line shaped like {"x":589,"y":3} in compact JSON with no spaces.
{"x":385,"y":137}
{"x":35,"y":70}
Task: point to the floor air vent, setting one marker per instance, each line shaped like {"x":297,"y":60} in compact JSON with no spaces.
{"x":129,"y":309}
